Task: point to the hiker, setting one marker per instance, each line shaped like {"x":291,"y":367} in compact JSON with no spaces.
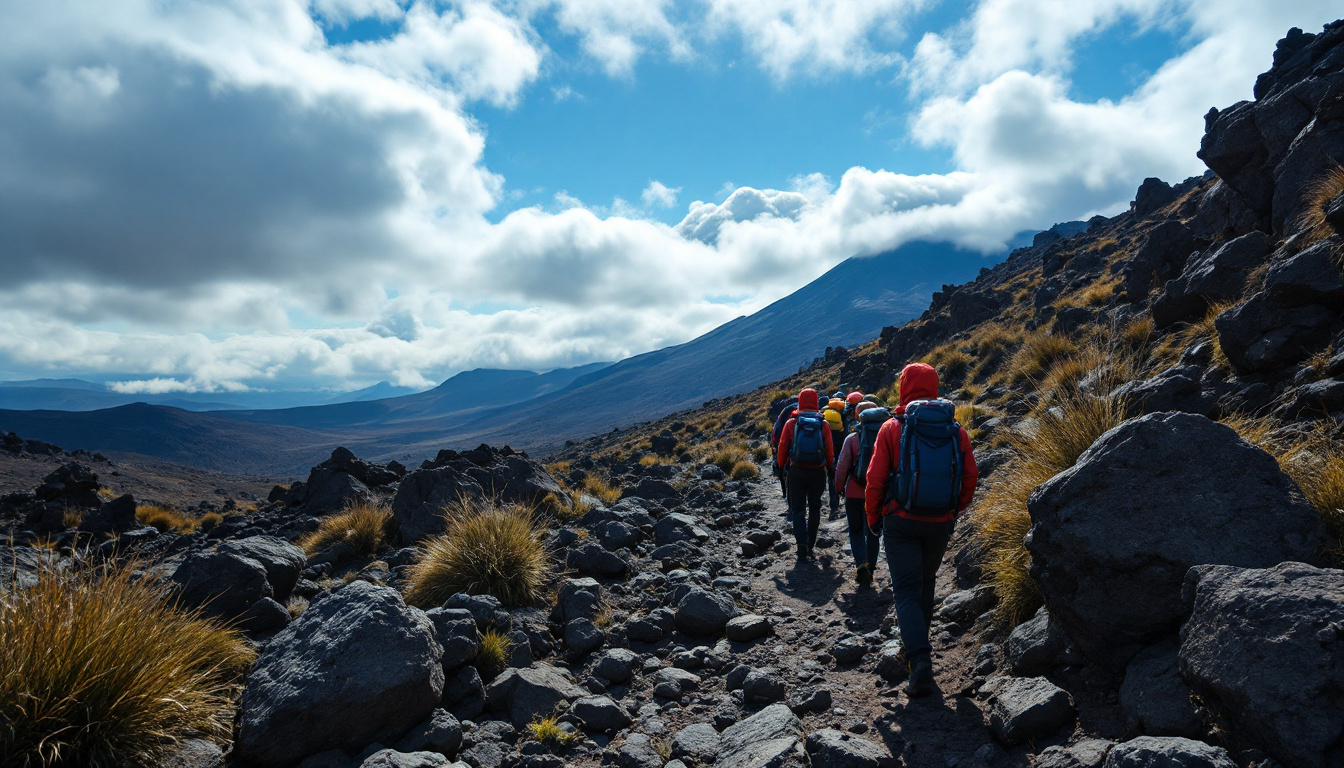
{"x":915,"y":513}
{"x":850,"y":467}
{"x":852,"y":401}
{"x":835,"y":419}
{"x":787,"y":412}
{"x":806,"y":454}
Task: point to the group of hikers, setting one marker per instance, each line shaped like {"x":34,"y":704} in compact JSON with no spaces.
{"x":906,"y":473}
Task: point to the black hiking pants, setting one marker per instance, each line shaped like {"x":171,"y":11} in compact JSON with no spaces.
{"x":914,"y":551}
{"x":863,"y":543}
{"x":805,"y":489}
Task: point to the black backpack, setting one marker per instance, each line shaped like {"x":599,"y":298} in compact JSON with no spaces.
{"x":870,"y":423}
{"x":809,"y":446}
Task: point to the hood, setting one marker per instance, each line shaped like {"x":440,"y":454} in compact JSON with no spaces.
{"x":807,"y":399}
{"x":918,"y":382}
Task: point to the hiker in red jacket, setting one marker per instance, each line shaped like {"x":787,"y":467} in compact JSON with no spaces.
{"x":807,"y":456}
{"x":915,"y":540}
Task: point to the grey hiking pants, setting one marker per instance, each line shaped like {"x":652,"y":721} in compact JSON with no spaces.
{"x":914,"y":552}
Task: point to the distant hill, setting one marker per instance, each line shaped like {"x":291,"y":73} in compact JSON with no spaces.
{"x":848,"y":305}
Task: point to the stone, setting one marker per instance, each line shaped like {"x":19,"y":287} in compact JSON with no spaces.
{"x":592,"y":559}
{"x":891,"y":662}
{"x":768,"y":739}
{"x":417,"y":508}
{"x":1160,"y":258}
{"x":458,"y":633}
{"x":1036,"y":645}
{"x":72,"y":484}
{"x":962,"y":608}
{"x":748,"y":627}
{"x":440,"y":732}
{"x":703,"y":612}
{"x":1167,"y":752}
{"x":283,"y":561}
{"x":582,"y":637}
{"x":20,"y":565}
{"x":762,"y":687}
{"x":1212,"y":277}
{"x":464,"y":693}
{"x":1262,"y":649}
{"x":810,"y":701}
{"x":678,"y":527}
{"x":616,"y":665}
{"x":683,"y":681}
{"x":223,"y":586}
{"x":391,"y":758}
{"x":1026,"y":708}
{"x":1310,"y":276}
{"x":328,"y":491}
{"x":637,"y":751}
{"x":1113,"y":536}
{"x":1262,"y":334}
{"x":577,"y":599}
{"x":830,"y":748}
{"x":653,"y":489}
{"x":522,"y":694}
{"x":699,"y":742}
{"x":615,"y":535}
{"x":849,"y":650}
{"x":1175,"y":389}
{"x":1154,"y":697}
{"x":488,"y":612}
{"x":112,"y":516}
{"x":599,"y":714}
{"x":357,"y":667}
{"x":652,"y":628}
{"x":194,"y":753}
{"x":1088,"y":753}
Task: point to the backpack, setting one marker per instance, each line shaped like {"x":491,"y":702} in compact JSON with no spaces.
{"x":809,"y":446}
{"x":927,"y":480}
{"x":870,"y":423}
{"x":834,"y":419}
{"x":782,"y":419}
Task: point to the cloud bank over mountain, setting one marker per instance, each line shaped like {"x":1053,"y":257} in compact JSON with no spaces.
{"x":224,"y":196}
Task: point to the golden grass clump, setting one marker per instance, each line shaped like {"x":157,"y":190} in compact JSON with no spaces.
{"x":165,"y":518}
{"x":597,"y":486}
{"x":1138,"y":332}
{"x":1317,"y":195}
{"x":1314,"y":460}
{"x":485,"y":550}
{"x":1038,"y":353}
{"x":728,"y":457}
{"x":362,"y":527}
{"x":760,"y":453}
{"x":493,"y":657}
{"x":71,"y":518}
{"x":100,"y":669}
{"x":744,"y":470}
{"x":548,"y":731}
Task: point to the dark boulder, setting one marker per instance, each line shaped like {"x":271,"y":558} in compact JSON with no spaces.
{"x":1154,"y":697}
{"x":478,"y":474}
{"x":357,"y":667}
{"x":1167,"y":752}
{"x":704,"y":612}
{"x":830,"y":748}
{"x":523,"y":694}
{"x":20,"y":565}
{"x":1161,"y":257}
{"x":283,"y":561}
{"x":1113,"y":536}
{"x":1027,"y":708}
{"x":1262,"y":334}
{"x":228,"y":587}
{"x":368,"y":473}
{"x":331,"y":490}
{"x":1211,"y":277}
{"x":1264,"y":649}
{"x":112,"y":516}
{"x":1036,"y":646}
{"x":592,"y":559}
{"x":72,"y":484}
{"x":1175,"y":389}
{"x":1153,"y":193}
{"x":417,"y":509}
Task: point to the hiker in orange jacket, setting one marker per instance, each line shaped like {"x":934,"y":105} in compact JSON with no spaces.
{"x":915,"y":542}
{"x":807,"y":456}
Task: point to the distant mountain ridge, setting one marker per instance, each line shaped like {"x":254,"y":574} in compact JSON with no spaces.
{"x":847,"y":305}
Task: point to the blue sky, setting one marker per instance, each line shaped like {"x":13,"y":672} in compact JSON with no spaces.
{"x":322,"y":194}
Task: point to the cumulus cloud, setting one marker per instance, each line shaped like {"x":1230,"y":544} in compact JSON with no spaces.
{"x":659,"y":195}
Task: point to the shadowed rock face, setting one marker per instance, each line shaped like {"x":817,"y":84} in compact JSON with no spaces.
{"x":1265,"y":649}
{"x":1112,"y":537}
{"x":357,"y":667}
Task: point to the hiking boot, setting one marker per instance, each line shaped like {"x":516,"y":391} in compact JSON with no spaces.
{"x":802,"y":554}
{"x":921,"y":677}
{"x":864,"y":576}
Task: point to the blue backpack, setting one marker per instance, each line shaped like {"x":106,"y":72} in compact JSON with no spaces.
{"x":928,"y":476}
{"x":809,"y":447}
{"x":870,"y":423}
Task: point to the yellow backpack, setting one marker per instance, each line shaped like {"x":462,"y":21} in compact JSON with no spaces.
{"x":834,"y":419}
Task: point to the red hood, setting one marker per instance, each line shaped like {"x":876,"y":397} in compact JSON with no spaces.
{"x":918,"y":382}
{"x":807,"y":400}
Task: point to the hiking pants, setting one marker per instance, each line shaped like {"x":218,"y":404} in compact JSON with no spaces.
{"x":805,"y":489}
{"x":914,"y":551}
{"x":862,"y":542}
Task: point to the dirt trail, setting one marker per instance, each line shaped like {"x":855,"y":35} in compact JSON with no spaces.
{"x":818,"y":603}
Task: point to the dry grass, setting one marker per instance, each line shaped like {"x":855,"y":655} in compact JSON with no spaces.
{"x":548,"y":731}
{"x":650,"y":459}
{"x":362,"y":527}
{"x":168,"y":519}
{"x":598,"y":486}
{"x":71,"y":518}
{"x":728,"y":457}
{"x":1314,"y":460}
{"x":1175,"y":344}
{"x":485,"y":550}
{"x":493,"y":657}
{"x":1317,"y":195}
{"x":1098,"y":293}
{"x":744,"y":470}
{"x":101,"y":670}
{"x":1037,"y":354}
{"x":1138,"y":332}
{"x":760,"y":453}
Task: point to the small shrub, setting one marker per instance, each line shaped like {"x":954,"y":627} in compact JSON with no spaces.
{"x":744,"y":470}
{"x":101,"y":670}
{"x":577,"y":506}
{"x":966,"y":413}
{"x":362,"y":527}
{"x":1317,"y":196}
{"x":484,"y":551}
{"x":548,"y":731}
{"x":209,"y":520}
{"x":493,"y":657}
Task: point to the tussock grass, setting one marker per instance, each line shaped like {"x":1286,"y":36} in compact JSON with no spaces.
{"x":1138,"y":332}
{"x":650,"y":459}
{"x":1098,"y":293}
{"x":728,"y":457}
{"x":101,"y":670}
{"x":1317,"y":195}
{"x":1175,"y":344}
{"x":1314,"y":460}
{"x":951,"y":363}
{"x":598,"y":486}
{"x":71,"y":518}
{"x":744,"y":470}
{"x":760,"y":453}
{"x":485,"y":550}
{"x":1070,"y":423}
{"x":363,"y":527}
{"x":493,"y":657}
{"x":548,"y":731}
{"x":1037,"y":354}
{"x":168,"y":519}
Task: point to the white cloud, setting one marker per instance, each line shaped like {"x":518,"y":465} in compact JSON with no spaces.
{"x":659,"y":195}
{"x":616,"y":32}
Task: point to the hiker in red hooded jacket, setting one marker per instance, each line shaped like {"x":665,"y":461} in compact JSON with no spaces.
{"x":915,"y":543}
{"x":806,"y":477}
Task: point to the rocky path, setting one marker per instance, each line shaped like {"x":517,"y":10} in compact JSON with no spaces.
{"x":829,"y":633}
